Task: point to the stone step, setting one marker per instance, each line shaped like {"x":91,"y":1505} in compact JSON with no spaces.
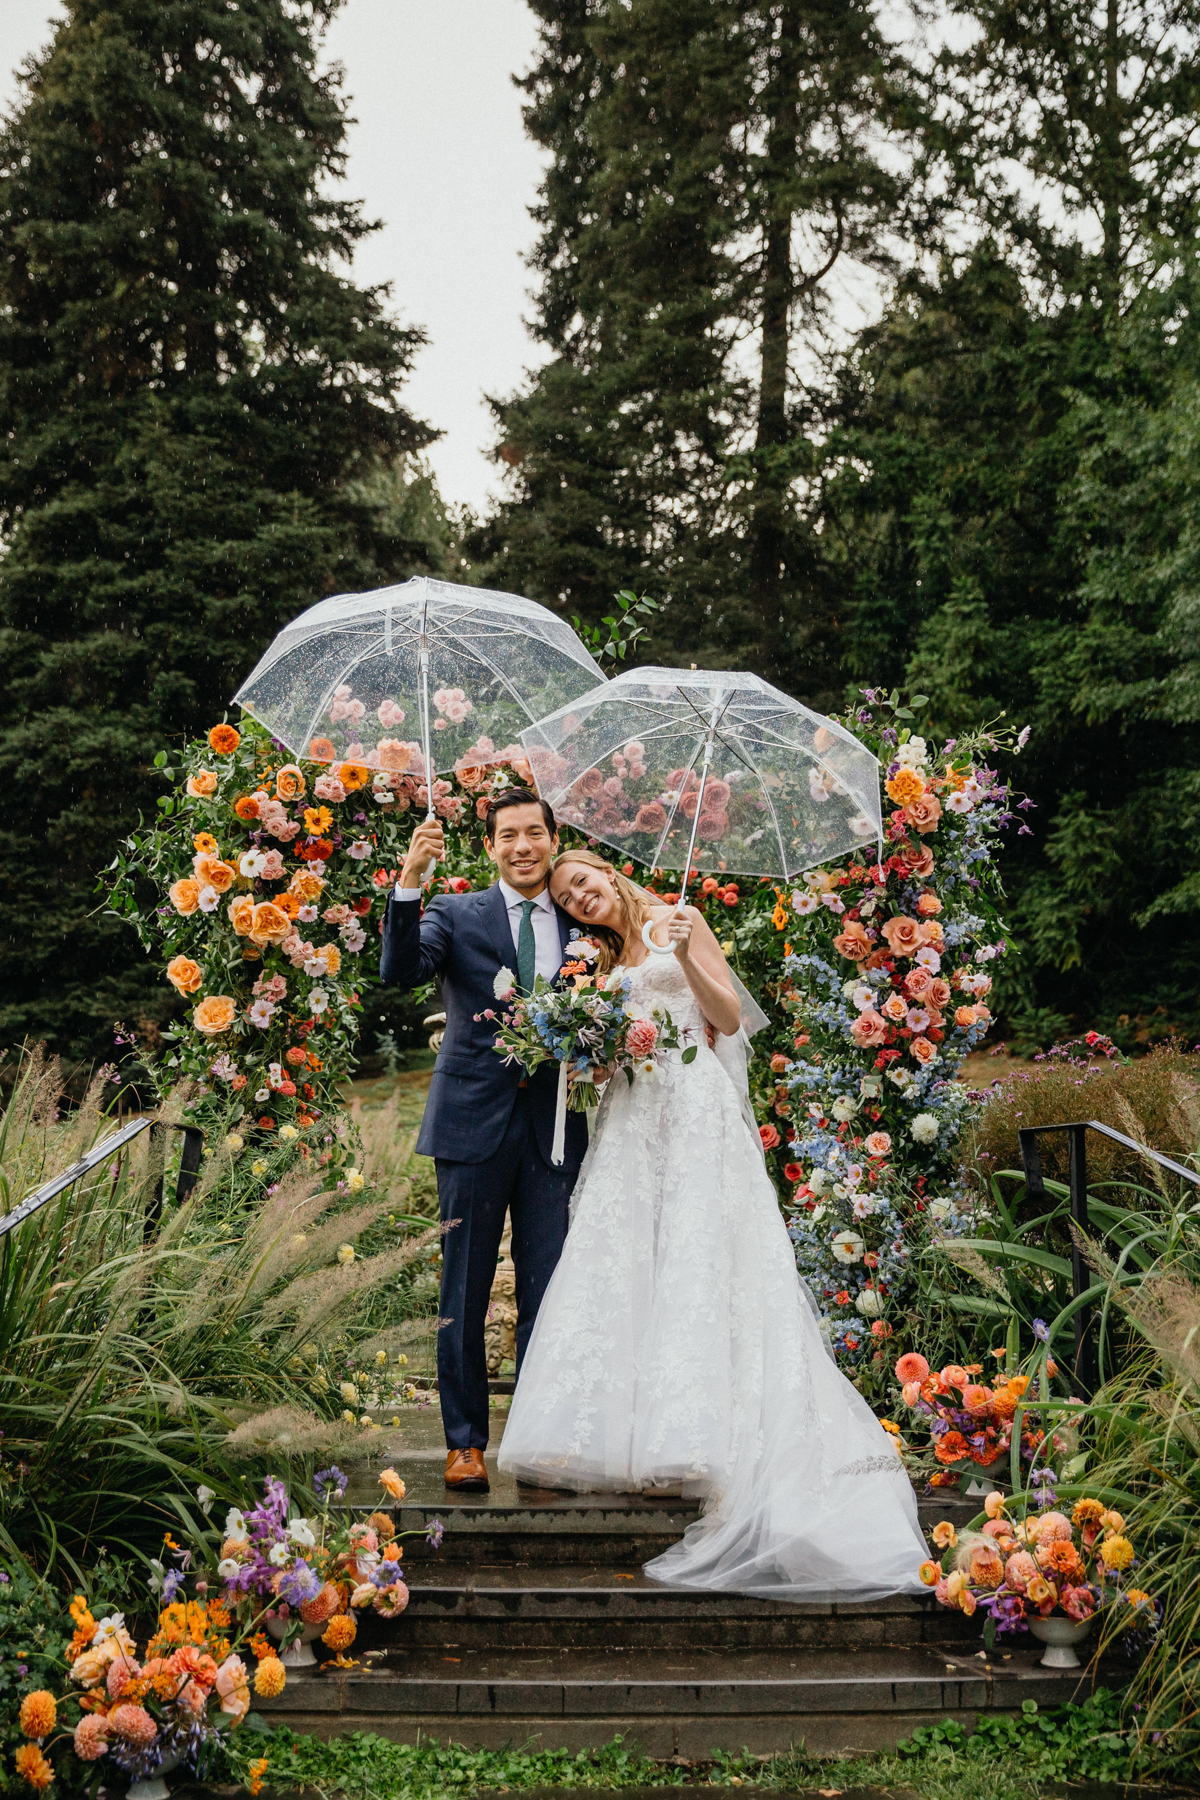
{"x":596,"y":1606}
{"x":666,"y":1703}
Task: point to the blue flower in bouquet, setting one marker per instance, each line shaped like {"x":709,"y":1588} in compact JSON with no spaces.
{"x":330,"y":1480}
{"x":299,"y":1583}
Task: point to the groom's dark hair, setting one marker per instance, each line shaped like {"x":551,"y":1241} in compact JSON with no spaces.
{"x":517,"y":797}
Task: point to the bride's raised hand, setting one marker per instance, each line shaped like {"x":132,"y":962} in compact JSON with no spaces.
{"x":679,"y":933}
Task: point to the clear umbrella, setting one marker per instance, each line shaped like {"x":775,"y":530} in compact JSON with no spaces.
{"x":699,"y":769}
{"x":416,"y":678}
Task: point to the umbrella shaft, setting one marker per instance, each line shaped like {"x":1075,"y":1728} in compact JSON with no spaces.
{"x":708,"y":750}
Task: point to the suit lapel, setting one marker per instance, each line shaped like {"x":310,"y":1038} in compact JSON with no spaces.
{"x":495,"y":915}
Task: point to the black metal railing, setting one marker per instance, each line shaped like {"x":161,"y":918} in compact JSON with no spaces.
{"x":189,"y":1172}
{"x":34,"y":1202}
{"x":1086,"y":1359}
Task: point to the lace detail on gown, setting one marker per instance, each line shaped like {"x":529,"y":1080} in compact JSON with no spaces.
{"x":674,"y":1350}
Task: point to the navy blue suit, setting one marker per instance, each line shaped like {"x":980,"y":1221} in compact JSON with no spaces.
{"x":490,"y":1132}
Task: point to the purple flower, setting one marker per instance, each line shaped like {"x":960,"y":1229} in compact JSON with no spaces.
{"x":299,"y":1584}
{"x":386,"y":1574}
{"x":172,"y":1582}
{"x":1041,"y":1331}
{"x":332,"y":1478}
{"x":435,"y":1531}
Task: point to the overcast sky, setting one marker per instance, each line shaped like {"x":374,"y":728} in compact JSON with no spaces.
{"x":440,"y":156}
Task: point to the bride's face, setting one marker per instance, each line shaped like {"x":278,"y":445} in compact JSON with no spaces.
{"x":589,"y":895}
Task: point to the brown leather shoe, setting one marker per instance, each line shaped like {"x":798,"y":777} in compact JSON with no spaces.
{"x":466,"y":1471}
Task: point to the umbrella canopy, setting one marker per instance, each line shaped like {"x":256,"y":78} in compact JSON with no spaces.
{"x":422,"y":673}
{"x":686,"y":769}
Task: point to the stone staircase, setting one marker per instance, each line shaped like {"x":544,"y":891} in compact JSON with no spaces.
{"x":534,"y":1623}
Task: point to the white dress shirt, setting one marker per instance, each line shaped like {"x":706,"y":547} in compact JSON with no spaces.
{"x":547,"y":949}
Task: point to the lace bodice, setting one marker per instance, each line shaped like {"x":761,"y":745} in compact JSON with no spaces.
{"x":661,"y":982}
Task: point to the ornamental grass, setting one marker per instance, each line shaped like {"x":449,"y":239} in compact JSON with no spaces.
{"x":139,"y":1354}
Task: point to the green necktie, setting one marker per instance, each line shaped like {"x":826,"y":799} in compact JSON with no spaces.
{"x":526,"y":949}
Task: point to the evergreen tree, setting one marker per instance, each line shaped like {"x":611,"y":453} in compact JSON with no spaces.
{"x":189,"y":386}
{"x":711,"y":165}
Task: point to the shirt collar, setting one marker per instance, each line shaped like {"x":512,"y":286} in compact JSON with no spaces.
{"x":512,"y":898}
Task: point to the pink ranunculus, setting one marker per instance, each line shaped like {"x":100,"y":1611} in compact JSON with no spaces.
{"x":641,"y":1037}
{"x":877,"y":1144}
{"x":911,"y":1392}
{"x":868,"y":1029}
{"x":1078,"y":1603}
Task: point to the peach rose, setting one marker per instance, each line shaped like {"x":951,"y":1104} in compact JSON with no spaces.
{"x":915,"y":862}
{"x":241,"y":914}
{"x":917,"y":983}
{"x":928,"y":905}
{"x":853,"y":942}
{"x":964,"y":1017}
{"x":184,"y":895}
{"x":233,"y":1685}
{"x":933,"y":933}
{"x":211,"y":872}
{"x":394,"y":755}
{"x":202,"y":785}
{"x":905,"y":936}
{"x":331,"y":956}
{"x":869,"y":1028}
{"x":924,"y":813}
{"x":877,"y":1144}
{"x":184,"y":974}
{"x":923,"y":1050}
{"x":651,"y":817}
{"x":289,"y":782}
{"x":306,"y":885}
{"x":938,"y":992}
{"x":215,"y":1015}
{"x":268,"y":925}
{"x":894,"y":1008}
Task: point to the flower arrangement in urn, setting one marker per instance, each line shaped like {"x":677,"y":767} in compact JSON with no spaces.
{"x":1028,"y":1573}
{"x":970,"y":1420}
{"x":140,"y":1713}
{"x":300,"y":1577}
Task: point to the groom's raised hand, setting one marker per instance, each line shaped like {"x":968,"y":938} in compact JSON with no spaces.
{"x":428,"y":845}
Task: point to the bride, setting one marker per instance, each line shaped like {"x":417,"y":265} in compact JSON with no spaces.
{"x":675,"y":1350}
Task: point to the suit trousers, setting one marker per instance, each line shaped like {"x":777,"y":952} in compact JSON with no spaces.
{"x":474,"y":1198}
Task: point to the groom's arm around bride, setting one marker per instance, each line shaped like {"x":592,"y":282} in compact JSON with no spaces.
{"x":489,"y":1129}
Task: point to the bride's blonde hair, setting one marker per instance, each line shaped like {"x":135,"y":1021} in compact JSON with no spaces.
{"x":634,"y":904}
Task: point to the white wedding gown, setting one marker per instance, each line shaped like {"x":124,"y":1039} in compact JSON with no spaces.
{"x":675,"y":1352}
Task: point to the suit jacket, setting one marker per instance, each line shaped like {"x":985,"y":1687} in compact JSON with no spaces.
{"x":464,"y":940}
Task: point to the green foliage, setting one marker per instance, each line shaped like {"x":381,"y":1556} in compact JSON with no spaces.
{"x":188,"y":382}
{"x":1088,"y":1742}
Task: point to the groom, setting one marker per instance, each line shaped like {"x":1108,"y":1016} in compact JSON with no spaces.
{"x":488,"y":1126}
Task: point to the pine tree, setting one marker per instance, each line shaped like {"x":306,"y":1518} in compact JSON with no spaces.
{"x":710,"y":166}
{"x":189,"y":387}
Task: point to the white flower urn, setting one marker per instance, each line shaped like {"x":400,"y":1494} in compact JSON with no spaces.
{"x":153,"y":1787}
{"x":298,"y":1655}
{"x":1060,"y":1637}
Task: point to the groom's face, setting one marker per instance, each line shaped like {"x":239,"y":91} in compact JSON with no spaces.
{"x":523,"y":848}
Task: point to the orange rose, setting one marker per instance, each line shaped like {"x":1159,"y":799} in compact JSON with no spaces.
{"x":923,"y":1050}
{"x":269,"y":924}
{"x":184,"y":974}
{"x":202,"y":785}
{"x":184,"y":895}
{"x":215,"y":1015}
{"x":246,"y":808}
{"x":905,"y":936}
{"x":924,"y":813}
{"x":853,"y":942}
{"x":964,"y":1017}
{"x":933,"y":933}
{"x":321,"y":750}
{"x":915,"y":862}
{"x":307,"y":885}
{"x":212,"y":872}
{"x":241,"y":914}
{"x":224,"y":739}
{"x":352,"y":776}
{"x":905,"y":787}
{"x":289,"y":782}
{"x":928,"y":905}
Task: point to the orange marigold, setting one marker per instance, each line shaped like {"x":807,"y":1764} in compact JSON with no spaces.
{"x":224,"y":739}
{"x":321,"y":750}
{"x":340,"y":1633}
{"x":33,"y":1767}
{"x":256,"y":1770}
{"x":38,"y":1714}
{"x":246,"y":808}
